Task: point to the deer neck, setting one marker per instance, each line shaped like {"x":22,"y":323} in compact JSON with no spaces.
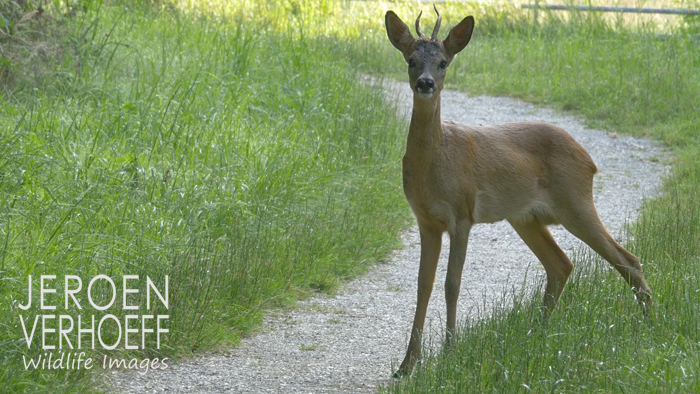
{"x":425,"y":131}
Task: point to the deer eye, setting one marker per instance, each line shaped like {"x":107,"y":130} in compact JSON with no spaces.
{"x":443,"y":64}
{"x":411,"y":63}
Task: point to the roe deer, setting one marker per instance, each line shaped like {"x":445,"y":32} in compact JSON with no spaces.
{"x":531,"y":174}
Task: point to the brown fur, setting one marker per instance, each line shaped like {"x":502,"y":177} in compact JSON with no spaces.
{"x":531,"y":174}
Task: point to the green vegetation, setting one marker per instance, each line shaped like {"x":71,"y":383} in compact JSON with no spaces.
{"x":231,"y":147}
{"x":249,"y":166}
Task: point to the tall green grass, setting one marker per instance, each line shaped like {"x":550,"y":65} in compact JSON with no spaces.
{"x":249,"y":166}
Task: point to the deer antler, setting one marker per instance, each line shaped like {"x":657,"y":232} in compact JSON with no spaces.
{"x":434,"y":37}
{"x":420,"y":33}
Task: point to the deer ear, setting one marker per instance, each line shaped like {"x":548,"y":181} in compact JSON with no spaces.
{"x":398,"y":33}
{"x":459,"y":37}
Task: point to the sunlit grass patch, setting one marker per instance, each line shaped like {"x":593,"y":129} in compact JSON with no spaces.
{"x":249,"y":166}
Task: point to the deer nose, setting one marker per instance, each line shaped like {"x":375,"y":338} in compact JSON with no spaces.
{"x":425,"y":85}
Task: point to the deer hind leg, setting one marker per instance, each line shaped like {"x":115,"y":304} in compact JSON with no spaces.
{"x":583,"y":222}
{"x":557,"y":265}
{"x":430,"y":244}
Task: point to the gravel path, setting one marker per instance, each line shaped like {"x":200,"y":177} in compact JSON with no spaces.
{"x":352,"y":342}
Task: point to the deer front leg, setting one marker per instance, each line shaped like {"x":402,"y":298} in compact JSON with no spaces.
{"x":430,"y":244}
{"x":453,"y":280}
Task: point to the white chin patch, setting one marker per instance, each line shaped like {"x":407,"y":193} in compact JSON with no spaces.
{"x":426,"y":94}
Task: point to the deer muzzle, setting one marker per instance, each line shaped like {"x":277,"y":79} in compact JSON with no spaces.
{"x":425,"y":86}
